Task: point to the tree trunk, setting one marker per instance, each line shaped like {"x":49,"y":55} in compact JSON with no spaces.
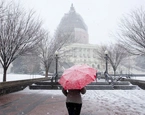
{"x":114,"y":69}
{"x":114,"y":73}
{"x":46,"y":72}
{"x":4,"y":74}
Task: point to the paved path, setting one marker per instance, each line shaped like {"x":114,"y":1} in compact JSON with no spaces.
{"x":32,"y":102}
{"x":47,"y":102}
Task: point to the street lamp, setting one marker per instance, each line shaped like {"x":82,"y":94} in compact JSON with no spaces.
{"x":106,"y":57}
{"x":107,"y":77}
{"x":56,"y":66}
{"x":106,"y":71}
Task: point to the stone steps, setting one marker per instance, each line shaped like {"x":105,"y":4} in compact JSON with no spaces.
{"x":93,"y":83}
{"x":93,"y":86}
{"x":125,"y":87}
{"x":45,"y":87}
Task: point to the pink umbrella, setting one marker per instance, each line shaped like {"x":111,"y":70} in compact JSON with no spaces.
{"x":77,"y":77}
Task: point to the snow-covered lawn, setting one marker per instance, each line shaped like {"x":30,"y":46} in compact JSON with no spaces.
{"x":139,"y":78}
{"x":14,"y":77}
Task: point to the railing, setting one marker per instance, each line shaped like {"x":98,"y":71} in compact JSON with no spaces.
{"x":54,"y":79}
{"x":108,"y":78}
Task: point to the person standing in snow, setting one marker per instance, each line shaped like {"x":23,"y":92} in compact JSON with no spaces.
{"x":74,"y":100}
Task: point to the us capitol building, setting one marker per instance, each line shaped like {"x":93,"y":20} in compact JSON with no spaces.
{"x":79,"y":51}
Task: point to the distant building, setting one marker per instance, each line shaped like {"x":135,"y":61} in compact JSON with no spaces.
{"x":81,"y":54}
{"x":73,"y":22}
{"x":80,"y":51}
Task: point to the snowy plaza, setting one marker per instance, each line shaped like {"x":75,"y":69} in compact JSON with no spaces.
{"x":52,"y":102}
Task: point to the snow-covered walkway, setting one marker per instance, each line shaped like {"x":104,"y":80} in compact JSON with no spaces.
{"x":52,"y":102}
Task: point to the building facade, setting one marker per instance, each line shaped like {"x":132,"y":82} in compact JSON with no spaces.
{"x":78,"y":54}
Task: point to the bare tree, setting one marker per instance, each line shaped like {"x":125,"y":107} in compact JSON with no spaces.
{"x":101,"y":52}
{"x":2,"y":9}
{"x":46,"y":52}
{"x":19,"y":33}
{"x":131,"y":32}
{"x":27,"y":64}
{"x":116,"y":54}
{"x":50,"y":45}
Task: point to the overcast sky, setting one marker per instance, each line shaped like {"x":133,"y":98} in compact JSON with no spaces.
{"x":101,"y":16}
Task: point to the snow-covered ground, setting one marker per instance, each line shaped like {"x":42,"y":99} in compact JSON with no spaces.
{"x":139,"y":78}
{"x":115,"y":102}
{"x":14,"y":77}
{"x":101,"y":102}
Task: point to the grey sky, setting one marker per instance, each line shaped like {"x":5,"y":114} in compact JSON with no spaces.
{"x":101,"y":16}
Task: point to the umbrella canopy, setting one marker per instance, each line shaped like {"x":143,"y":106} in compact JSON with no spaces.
{"x":77,"y":77}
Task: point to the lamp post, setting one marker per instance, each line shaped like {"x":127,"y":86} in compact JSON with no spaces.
{"x":56,"y":66}
{"x":106,"y":71}
{"x":106,"y":57}
{"x":107,"y":77}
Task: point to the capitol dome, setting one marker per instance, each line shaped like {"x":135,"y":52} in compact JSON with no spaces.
{"x":72,"y":21}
